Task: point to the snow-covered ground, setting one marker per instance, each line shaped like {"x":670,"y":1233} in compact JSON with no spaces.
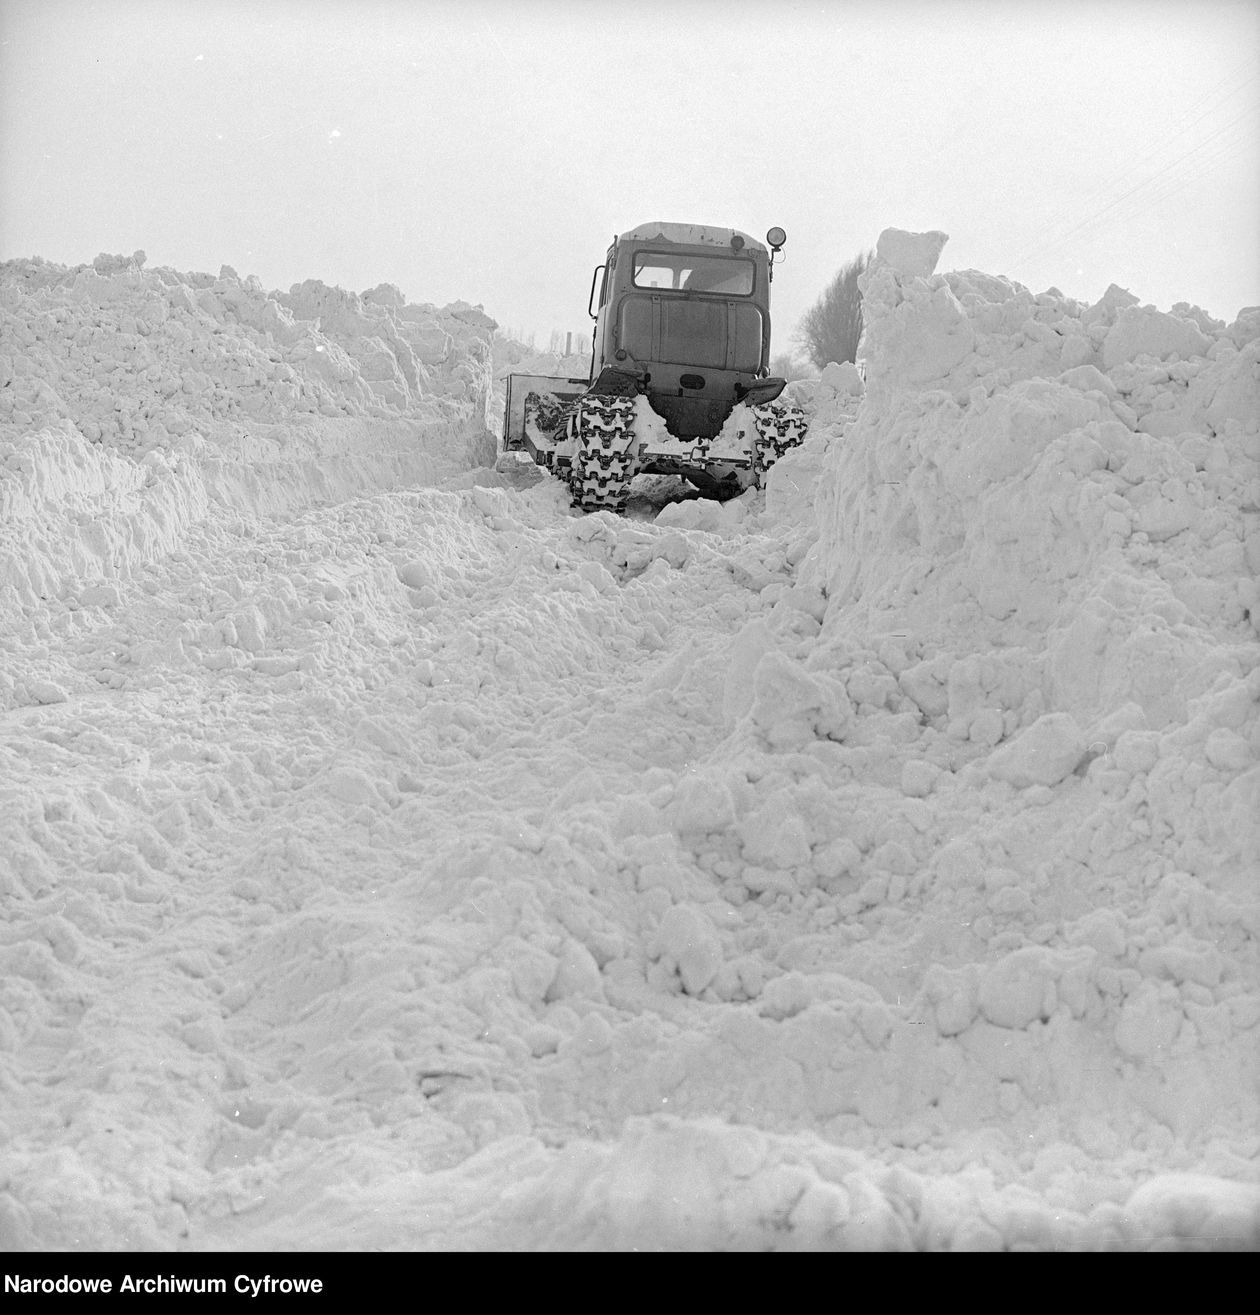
{"x":392,"y":857}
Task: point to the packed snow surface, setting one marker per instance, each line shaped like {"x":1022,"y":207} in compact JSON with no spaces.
{"x":392,"y":857}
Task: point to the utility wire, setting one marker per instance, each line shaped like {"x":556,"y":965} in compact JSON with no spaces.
{"x":1196,"y":150}
{"x":1040,"y":241}
{"x":1224,"y":153}
{"x":1204,"y":102}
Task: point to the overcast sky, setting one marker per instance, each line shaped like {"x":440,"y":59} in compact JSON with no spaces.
{"x":487,"y":150}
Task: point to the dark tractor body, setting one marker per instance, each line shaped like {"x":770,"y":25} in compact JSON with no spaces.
{"x":679,"y":371}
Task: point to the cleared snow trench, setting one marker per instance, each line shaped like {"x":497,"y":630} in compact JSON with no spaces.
{"x":393,"y":859}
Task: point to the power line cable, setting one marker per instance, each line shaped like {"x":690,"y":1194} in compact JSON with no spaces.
{"x":1034,"y":246}
{"x":1209,"y":164}
{"x":1208,"y":102}
{"x":1089,"y":220}
{"x":1066,"y":212}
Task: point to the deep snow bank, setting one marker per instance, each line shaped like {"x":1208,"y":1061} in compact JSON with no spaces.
{"x":1047,"y":521}
{"x":133,"y":400}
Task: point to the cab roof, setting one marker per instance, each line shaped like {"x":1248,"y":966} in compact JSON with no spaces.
{"x":698,"y":235}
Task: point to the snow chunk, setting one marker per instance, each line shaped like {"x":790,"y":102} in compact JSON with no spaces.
{"x":349,"y":785}
{"x":1227,"y":750}
{"x":45,"y":691}
{"x":911,"y":254}
{"x":689,"y":942}
{"x":1109,"y":305}
{"x":1215,"y":1213}
{"x":1145,"y":331}
{"x":1044,"y":754}
{"x":791,"y":707}
{"x":1089,"y":378}
{"x":1019,"y":988}
{"x":752,"y":643}
{"x":1246,"y":326}
{"x":99,"y":595}
{"x":918,"y":777}
{"x":953,"y":993}
{"x":791,"y":484}
{"x":417,"y":575}
{"x":844,"y":377}
{"x":577,"y":974}
{"x":702,"y":804}
{"x":774,"y":837}
{"x":1149,"y":1022}
{"x":914,"y":334}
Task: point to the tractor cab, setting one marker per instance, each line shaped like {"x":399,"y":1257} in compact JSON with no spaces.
{"x":684,"y":311}
{"x":679,"y":381}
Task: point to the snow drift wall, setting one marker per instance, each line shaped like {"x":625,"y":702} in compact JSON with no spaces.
{"x":1060,"y":504}
{"x":1019,"y":457}
{"x":132,"y":400}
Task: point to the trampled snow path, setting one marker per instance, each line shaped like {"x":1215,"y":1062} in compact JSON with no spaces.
{"x":338,"y":739}
{"x":320,"y":909}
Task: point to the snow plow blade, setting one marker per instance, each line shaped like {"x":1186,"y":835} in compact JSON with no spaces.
{"x":535,"y":411}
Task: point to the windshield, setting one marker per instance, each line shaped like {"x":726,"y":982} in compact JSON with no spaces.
{"x":728,"y":275}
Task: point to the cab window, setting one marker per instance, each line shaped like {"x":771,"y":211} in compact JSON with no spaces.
{"x":729,"y":276}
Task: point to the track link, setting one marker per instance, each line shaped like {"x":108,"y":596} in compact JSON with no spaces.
{"x":604,"y":456}
{"x":780,"y":427}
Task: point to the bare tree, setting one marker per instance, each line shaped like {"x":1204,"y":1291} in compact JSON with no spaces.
{"x":832,"y":327}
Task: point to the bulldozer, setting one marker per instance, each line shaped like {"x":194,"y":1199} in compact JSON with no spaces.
{"x":679,"y":381}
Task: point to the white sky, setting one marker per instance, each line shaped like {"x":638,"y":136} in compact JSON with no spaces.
{"x":488,"y":150}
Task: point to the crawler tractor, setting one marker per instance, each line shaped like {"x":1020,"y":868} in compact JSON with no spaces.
{"x":679,"y":381}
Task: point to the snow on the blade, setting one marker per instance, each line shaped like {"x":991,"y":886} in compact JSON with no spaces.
{"x":393,"y":858}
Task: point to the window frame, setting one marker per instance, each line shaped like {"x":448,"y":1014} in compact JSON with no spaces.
{"x":642,"y":254}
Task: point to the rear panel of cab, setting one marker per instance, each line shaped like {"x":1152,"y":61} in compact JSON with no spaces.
{"x":696,"y":346}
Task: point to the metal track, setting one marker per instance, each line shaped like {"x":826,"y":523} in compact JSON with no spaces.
{"x":780,"y":427}
{"x":605,"y":459}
